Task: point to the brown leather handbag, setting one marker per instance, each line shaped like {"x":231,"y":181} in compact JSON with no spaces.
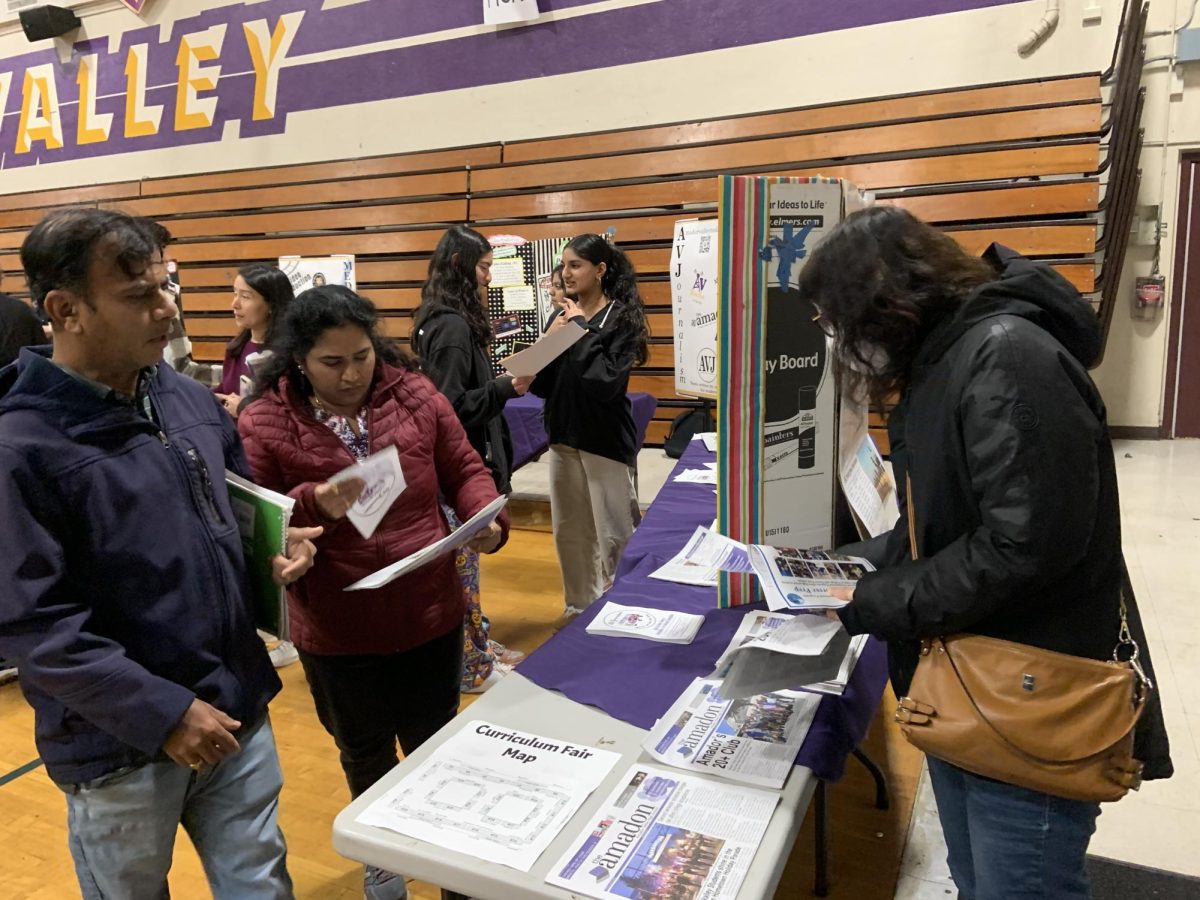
{"x":1048,"y":721}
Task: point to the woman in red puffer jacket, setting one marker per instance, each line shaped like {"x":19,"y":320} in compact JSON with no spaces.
{"x":382,"y":664}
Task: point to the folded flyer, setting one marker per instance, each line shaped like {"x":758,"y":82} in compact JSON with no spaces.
{"x":455,"y":539}
{"x":801,"y":579}
{"x":665,"y":625}
{"x":752,"y":740}
{"x":663,"y":833}
{"x":706,"y":554}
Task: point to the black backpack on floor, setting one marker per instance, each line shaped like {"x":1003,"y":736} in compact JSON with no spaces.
{"x":684,"y":427}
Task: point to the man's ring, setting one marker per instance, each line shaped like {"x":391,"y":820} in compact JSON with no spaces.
{"x":195,"y":766}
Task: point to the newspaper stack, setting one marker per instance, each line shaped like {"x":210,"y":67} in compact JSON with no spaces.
{"x":662,"y":625}
{"x":750,"y":740}
{"x":663,"y":833}
{"x":778,"y":651}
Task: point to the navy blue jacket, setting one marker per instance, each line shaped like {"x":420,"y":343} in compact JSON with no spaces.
{"x":123,"y":591}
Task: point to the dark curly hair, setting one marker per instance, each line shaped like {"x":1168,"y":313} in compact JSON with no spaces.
{"x":881,"y":281}
{"x":619,"y":282}
{"x":451,"y":281}
{"x":309,"y":316}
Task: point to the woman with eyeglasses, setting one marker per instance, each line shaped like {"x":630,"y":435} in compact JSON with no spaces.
{"x":1010,"y":521}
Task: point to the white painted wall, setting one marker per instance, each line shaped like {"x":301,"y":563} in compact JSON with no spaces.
{"x":951,"y":50}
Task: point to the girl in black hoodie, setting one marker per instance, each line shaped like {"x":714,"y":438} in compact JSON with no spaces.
{"x":451,"y":334}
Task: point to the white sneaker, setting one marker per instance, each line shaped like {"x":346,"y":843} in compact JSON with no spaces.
{"x":283,"y":654}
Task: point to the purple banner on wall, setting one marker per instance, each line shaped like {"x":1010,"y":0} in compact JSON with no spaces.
{"x":254,"y":64}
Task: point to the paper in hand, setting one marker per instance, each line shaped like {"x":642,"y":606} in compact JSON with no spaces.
{"x":384,"y":482}
{"x":553,"y":344}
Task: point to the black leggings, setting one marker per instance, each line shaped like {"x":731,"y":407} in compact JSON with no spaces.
{"x":367,"y":703}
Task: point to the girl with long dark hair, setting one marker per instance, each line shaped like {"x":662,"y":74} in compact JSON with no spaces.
{"x":382,"y":664}
{"x":1010,"y":521}
{"x":261,"y":294}
{"x":593,"y":441}
{"x":451,"y":334}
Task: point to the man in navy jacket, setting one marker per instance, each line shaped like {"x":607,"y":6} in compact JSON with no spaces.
{"x":125,"y":601}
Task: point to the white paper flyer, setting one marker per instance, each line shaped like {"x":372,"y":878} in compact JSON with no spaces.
{"x":455,"y":539}
{"x":753,"y":740}
{"x":663,"y":833}
{"x":383,"y":482}
{"x":664,"y":625}
{"x":706,"y":554}
{"x":801,"y":579}
{"x":493,"y":793}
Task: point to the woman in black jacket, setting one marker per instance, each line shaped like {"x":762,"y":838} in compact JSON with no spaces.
{"x":1003,"y":438}
{"x":593,"y":442}
{"x":451,"y":334}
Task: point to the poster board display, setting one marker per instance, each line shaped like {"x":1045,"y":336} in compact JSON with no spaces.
{"x":694,"y":297}
{"x":519,"y":296}
{"x":306,"y":272}
{"x":777,"y":442}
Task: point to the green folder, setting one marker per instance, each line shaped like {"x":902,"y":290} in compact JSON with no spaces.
{"x":262,"y":516}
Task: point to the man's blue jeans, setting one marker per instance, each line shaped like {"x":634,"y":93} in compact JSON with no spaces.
{"x":122,"y":827}
{"x":1010,"y":843}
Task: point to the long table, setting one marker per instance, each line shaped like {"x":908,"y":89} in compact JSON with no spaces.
{"x":601,"y":672}
{"x":607,"y":692}
{"x":524,"y":418}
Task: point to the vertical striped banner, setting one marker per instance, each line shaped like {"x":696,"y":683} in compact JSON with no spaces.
{"x":743,"y":221}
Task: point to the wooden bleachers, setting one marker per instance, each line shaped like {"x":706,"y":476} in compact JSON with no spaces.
{"x":1017,"y":163}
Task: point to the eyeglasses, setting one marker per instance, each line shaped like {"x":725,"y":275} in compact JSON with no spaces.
{"x":825,"y":325}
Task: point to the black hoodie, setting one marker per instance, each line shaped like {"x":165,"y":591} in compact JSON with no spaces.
{"x":459,"y":368}
{"x":1014,"y":490}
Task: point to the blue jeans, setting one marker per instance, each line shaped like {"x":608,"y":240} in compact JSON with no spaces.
{"x":1010,"y":843}
{"x":122,"y":826}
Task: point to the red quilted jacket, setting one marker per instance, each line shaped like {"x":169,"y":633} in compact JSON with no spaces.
{"x":292,"y":453}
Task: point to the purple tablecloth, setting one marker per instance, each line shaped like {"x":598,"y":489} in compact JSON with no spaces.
{"x":524,"y":417}
{"x":637,"y":681}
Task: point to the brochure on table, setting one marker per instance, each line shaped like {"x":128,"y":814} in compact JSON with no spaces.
{"x":703,"y":558}
{"x":262,"y":518}
{"x":383,"y":483}
{"x":663,"y":625}
{"x":457,"y":538}
{"x":664,"y":833}
{"x":493,"y":793}
{"x":750,"y":740}
{"x":694,"y":295}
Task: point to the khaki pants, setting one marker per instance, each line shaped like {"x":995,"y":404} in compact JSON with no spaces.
{"x":594,"y":508}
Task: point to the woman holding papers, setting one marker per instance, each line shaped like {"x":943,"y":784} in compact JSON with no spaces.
{"x":593,"y":442}
{"x":451,"y":334}
{"x":382,"y":664}
{"x":1010,"y":522}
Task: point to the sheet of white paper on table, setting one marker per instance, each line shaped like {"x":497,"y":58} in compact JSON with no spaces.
{"x":709,"y":438}
{"x":493,"y":793}
{"x":702,"y":559}
{"x":664,"y":625}
{"x":384,"y":480}
{"x":697,"y":476}
{"x":549,"y":347}
{"x":455,"y":539}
